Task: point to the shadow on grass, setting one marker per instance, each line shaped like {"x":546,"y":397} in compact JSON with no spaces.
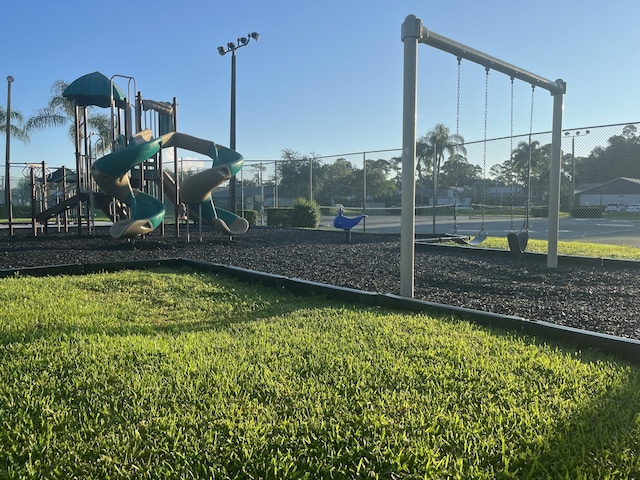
{"x":603,"y":436}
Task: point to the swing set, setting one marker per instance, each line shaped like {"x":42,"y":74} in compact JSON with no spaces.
{"x":413,"y":33}
{"x":517,"y":239}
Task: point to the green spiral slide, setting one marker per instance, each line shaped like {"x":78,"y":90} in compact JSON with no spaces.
{"x":147,"y":212}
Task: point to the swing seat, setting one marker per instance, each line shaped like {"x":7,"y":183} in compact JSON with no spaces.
{"x":518,"y":242}
{"x":477,"y":240}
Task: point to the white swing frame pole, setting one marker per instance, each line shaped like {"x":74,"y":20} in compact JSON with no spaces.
{"x":413,"y":32}
{"x":554,"y":181}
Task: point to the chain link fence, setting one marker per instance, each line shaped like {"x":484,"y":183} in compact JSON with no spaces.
{"x":498,"y":185}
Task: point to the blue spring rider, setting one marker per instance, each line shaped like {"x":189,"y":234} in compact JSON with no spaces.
{"x":346,"y":223}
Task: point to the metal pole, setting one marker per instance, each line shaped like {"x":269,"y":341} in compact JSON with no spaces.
{"x":176,"y":200}
{"x":310,"y":179}
{"x":232,"y":139}
{"x":261,"y":197}
{"x":242,"y":192}
{"x":435,"y":186}
{"x":45,"y":202}
{"x":8,"y":198}
{"x":232,"y":47}
{"x":554,"y":188}
{"x":78,"y":167}
{"x":573,"y":171}
{"x":275,"y":184}
{"x":463,"y":51}
{"x":364,"y":190}
{"x":32,"y":183}
{"x":64,"y":198}
{"x":410,"y":34}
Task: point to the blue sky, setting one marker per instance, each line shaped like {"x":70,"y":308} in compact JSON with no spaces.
{"x":325,"y":76}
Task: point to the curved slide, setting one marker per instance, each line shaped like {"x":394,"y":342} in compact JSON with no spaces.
{"x":111,"y":174}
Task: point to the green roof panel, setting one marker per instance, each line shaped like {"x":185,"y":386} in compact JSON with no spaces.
{"x":92,"y":89}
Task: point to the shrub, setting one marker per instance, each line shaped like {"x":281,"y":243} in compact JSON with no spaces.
{"x":250,"y":216}
{"x":279,"y":217}
{"x":587,"y":212}
{"x":305,"y":213}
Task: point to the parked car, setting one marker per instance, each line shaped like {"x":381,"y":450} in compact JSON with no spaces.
{"x":634,"y":208}
{"x":614,"y":207}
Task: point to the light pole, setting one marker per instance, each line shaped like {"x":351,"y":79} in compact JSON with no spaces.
{"x":573,"y":136}
{"x":232,"y":47}
{"x":8,"y":200}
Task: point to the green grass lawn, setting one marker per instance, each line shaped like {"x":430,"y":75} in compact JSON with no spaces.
{"x":164,"y":374}
{"x":581,"y":249}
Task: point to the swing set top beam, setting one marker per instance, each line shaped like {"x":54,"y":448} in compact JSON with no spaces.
{"x":413,"y":27}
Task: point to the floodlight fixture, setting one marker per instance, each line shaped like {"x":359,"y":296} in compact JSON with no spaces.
{"x":240,"y":42}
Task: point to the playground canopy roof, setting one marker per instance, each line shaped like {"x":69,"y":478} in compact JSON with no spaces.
{"x":93,"y":89}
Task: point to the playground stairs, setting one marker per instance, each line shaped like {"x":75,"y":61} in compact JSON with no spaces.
{"x":101,"y":200}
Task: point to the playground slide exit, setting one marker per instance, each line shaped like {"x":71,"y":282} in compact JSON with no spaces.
{"x":111,"y":174}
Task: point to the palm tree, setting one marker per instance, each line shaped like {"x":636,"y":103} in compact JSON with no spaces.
{"x":432,"y":148}
{"x":60,"y":111}
{"x":17,"y":131}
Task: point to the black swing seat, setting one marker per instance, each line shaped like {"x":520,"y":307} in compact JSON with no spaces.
{"x":518,"y":242}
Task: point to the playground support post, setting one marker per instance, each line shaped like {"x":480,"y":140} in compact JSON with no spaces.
{"x":176,"y":200}
{"x":34,"y":199}
{"x":8,"y":200}
{"x":554,"y":182}
{"x":78,"y":165}
{"x":410,"y":36}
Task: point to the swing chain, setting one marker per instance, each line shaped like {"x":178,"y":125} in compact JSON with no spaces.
{"x":525,"y":225}
{"x":533,"y":92}
{"x":455,"y":193}
{"x":511,"y":179}
{"x":484,"y":153}
{"x":458,"y":98}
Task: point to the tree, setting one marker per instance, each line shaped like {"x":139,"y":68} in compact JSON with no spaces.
{"x":337,"y":186}
{"x":295,"y":172}
{"x":457,"y":171}
{"x":17,"y":131}
{"x":431,"y":150}
{"x":620,"y":158}
{"x":396,"y":168}
{"x":530,"y":163}
{"x":380,"y":188}
{"x":60,"y":111}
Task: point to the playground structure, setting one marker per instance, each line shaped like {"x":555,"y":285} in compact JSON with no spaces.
{"x":130,"y":183}
{"x":413,"y":33}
